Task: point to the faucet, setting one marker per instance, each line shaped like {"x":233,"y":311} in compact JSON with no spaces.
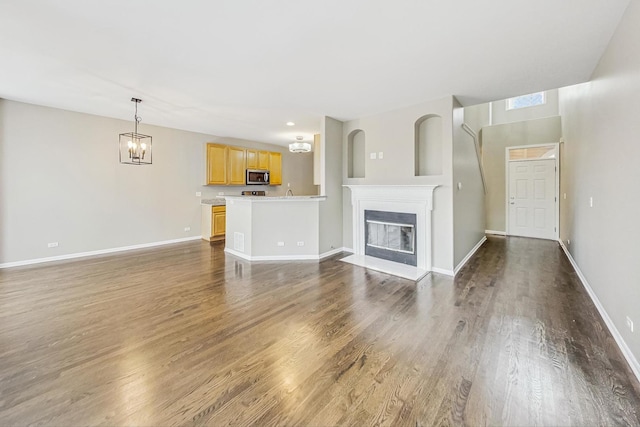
{"x":289,"y":193}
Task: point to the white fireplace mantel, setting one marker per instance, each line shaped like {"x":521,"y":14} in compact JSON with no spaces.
{"x":413,"y":199}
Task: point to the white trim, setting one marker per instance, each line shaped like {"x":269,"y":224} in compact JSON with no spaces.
{"x":284,"y":257}
{"x":469,"y":255}
{"x":398,"y":269}
{"x":443,"y":271}
{"x":626,"y":352}
{"x":495,"y":232}
{"x":412,"y":199}
{"x":507,"y":182}
{"x":98,"y":252}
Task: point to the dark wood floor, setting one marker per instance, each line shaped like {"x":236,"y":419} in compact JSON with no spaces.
{"x":186,"y":335}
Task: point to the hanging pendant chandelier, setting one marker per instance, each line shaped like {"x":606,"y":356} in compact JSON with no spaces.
{"x":299,"y":146}
{"x":134,"y":147}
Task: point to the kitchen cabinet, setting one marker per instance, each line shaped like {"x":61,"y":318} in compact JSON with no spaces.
{"x":216,"y":164}
{"x":225,"y":165}
{"x":275,"y":168}
{"x":252,"y":159}
{"x":218,"y":222}
{"x":236,"y":165}
{"x":263,"y":160}
{"x":214,"y":220}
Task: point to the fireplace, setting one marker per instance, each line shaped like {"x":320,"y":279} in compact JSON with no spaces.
{"x":391,"y":236}
{"x":405,"y":240}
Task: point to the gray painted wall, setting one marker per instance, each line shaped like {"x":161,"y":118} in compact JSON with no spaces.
{"x":494,"y":141}
{"x":393,"y":133}
{"x":331,"y":209}
{"x":60,"y":181}
{"x":468,"y":201}
{"x":600,"y":160}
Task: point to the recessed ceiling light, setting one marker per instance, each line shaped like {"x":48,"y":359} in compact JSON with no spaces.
{"x":290,"y":124}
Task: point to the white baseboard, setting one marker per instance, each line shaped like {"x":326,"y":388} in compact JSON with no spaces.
{"x":332,"y":252}
{"x":469,"y":255}
{"x":495,"y":232}
{"x":443,"y":271}
{"x":284,"y":257}
{"x":626,"y":351}
{"x":93,"y":253}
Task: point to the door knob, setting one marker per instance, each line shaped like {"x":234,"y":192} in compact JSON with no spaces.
{"x":513,"y":203}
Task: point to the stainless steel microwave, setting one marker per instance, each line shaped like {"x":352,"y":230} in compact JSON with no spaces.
{"x":257,"y":176}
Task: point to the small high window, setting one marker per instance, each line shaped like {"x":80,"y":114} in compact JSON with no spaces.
{"x":524,"y":101}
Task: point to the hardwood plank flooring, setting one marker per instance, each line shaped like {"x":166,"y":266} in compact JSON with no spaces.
{"x":186,"y":335}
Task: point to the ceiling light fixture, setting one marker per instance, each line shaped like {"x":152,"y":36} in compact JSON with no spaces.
{"x":135,"y":148}
{"x":299,"y":146}
{"x":290,"y":124}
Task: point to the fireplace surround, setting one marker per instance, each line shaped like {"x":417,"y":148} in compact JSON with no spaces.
{"x":407,"y":199}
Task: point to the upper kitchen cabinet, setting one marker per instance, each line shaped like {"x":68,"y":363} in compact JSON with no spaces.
{"x":275,"y":168}
{"x":225,"y":165}
{"x":236,"y":165}
{"x":252,"y":159}
{"x":216,"y":164}
{"x":264,"y":159}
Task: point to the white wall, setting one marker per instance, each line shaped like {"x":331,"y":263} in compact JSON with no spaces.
{"x":501,"y":115}
{"x":468,"y":201}
{"x":494,"y":141}
{"x":600,"y":160}
{"x":393,"y":133}
{"x":60,"y":181}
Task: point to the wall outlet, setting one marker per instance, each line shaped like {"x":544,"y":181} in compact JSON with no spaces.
{"x":187,"y":229}
{"x":568,"y":241}
{"x":629,"y":323}
{"x":590,"y":202}
{"x":280,"y":243}
{"x":52,"y":245}
{"x":221,"y":193}
{"x":373,"y":156}
{"x":565,"y":196}
{"x":300,"y":243}
{"x":198,"y":194}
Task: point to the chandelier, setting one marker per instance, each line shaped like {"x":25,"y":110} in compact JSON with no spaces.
{"x":134,"y":147}
{"x":299,"y":146}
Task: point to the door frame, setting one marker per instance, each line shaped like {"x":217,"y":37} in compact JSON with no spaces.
{"x":556,"y":146}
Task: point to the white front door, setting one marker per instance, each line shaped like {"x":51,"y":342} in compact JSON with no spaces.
{"x":532,"y":198}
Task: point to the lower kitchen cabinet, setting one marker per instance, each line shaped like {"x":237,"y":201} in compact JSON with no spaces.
{"x":218,"y":222}
{"x":214,"y":222}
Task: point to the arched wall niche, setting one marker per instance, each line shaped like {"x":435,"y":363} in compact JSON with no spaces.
{"x":356,"y":154}
{"x":428,"y":145}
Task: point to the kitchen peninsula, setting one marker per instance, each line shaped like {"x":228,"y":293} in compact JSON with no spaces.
{"x":273,"y":228}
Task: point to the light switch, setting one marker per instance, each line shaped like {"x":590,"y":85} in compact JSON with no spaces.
{"x":198,"y":194}
{"x":373,"y":156}
{"x":380,"y":155}
{"x":565,"y":196}
{"x":590,"y":202}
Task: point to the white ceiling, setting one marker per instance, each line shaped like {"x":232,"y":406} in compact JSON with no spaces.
{"x":243,"y":68}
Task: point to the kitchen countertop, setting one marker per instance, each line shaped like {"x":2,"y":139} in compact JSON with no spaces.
{"x":213,"y":202}
{"x":278,"y":198}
